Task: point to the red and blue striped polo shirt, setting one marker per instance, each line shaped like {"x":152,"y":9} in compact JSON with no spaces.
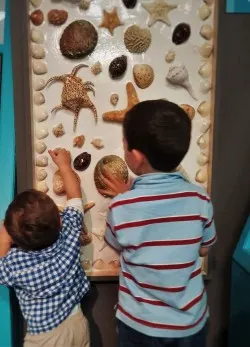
{"x":159,"y":227}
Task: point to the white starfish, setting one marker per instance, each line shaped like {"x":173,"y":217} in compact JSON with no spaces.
{"x":159,"y":10}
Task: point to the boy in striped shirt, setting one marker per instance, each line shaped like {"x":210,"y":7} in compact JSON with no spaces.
{"x":161,"y":225}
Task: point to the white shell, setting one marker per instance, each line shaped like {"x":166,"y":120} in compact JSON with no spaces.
{"x":40,"y":147}
{"x":178,"y":75}
{"x":38,"y":98}
{"x":202,"y":142}
{"x":41,"y":132}
{"x":207,"y":31}
{"x":42,"y":187}
{"x":209,"y":2}
{"x":202,"y":175}
{"x":205,"y":86}
{"x":202,"y":159}
{"x":205,"y":126}
{"x":206,"y":50}
{"x":204,"y":12}
{"x":40,"y":67}
{"x":97,"y":143}
{"x":205,"y":70}
{"x":37,"y":36}
{"x":84,"y":4}
{"x":42,"y":160}
{"x":170,"y":56}
{"x":37,"y":51}
{"x":40,"y":114}
{"x":39,"y":83}
{"x":114,"y":98}
{"x":204,"y":108}
{"x":36,"y":3}
{"x":41,"y":174}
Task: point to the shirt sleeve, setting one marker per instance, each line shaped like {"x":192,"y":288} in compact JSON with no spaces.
{"x":5,"y":272}
{"x":72,"y":219}
{"x":209,"y":232}
{"x":110,"y":236}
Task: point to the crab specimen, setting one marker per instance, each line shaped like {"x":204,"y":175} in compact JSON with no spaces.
{"x":74,"y":94}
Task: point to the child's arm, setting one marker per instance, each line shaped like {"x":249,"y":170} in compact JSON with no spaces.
{"x":209,"y":232}
{"x":5,"y":242}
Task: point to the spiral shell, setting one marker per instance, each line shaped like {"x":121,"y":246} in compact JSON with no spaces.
{"x":137,"y":40}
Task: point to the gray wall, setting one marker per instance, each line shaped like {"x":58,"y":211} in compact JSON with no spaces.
{"x":230,"y":188}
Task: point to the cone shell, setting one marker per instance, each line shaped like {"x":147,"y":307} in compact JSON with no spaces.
{"x":40,"y":147}
{"x":37,"y":51}
{"x":143,"y":75}
{"x":207,"y":31}
{"x":206,"y":50}
{"x":42,"y":187}
{"x":42,"y":160}
{"x":41,"y":174}
{"x":38,"y":98}
{"x":204,"y":109}
{"x":202,"y":159}
{"x":40,"y":114}
{"x":189,"y":110}
{"x":37,"y":36}
{"x":205,"y":70}
{"x":204,"y":12}
{"x":202,"y":175}
{"x":40,"y":67}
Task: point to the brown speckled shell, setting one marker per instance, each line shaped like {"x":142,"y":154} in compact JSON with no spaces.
{"x":37,"y":17}
{"x":57,"y":17}
{"x":78,"y":39}
{"x":82,"y":161}
{"x":118,"y":66}
{"x":129,"y":3}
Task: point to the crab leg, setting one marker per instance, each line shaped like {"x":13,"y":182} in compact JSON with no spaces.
{"x":75,"y":119}
{"x":94,"y":110}
{"x":57,"y":108}
{"x":78,"y":67}
{"x":88,"y":83}
{"x":53,"y":79}
{"x":90,"y":88}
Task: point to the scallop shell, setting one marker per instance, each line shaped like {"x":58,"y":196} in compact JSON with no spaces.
{"x":40,"y":67}
{"x":37,"y":36}
{"x":40,"y":147}
{"x":136,"y":39}
{"x":41,"y":174}
{"x":114,"y":98}
{"x":205,"y":70}
{"x":99,"y":264}
{"x":42,"y":187}
{"x":207,"y":31}
{"x":178,"y":75}
{"x":36,"y":3}
{"x":41,"y":132}
{"x":204,"y":109}
{"x":202,"y":175}
{"x":204,"y":12}
{"x":206,"y":50}
{"x":42,"y":160}
{"x":38,"y":98}
{"x":202,"y":159}
{"x":170,"y":56}
{"x":58,"y":130}
{"x":202,"y":142}
{"x":143,"y":75}
{"x":40,"y":114}
{"x":205,"y":86}
{"x":84,"y":4}
{"x":96,"y":69}
{"x":38,"y":83}
{"x":97,"y":143}
{"x":205,"y":126}
{"x":79,"y":141}
{"x":189,"y":110}
{"x":37,"y":51}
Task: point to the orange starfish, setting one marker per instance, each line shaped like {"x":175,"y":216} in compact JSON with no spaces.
{"x":110,"y":20}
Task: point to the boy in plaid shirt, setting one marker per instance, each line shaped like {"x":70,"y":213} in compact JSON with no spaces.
{"x":44,"y":266}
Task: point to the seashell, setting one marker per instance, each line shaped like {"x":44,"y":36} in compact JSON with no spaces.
{"x":114,"y":264}
{"x":99,"y":264}
{"x":178,"y":75}
{"x":82,"y":161}
{"x":202,"y":142}
{"x":170,"y":56}
{"x":40,"y":114}
{"x":96,"y":68}
{"x":38,"y":83}
{"x":85,"y":238}
{"x":206,"y":31}
{"x":38,"y":98}
{"x":205,"y":126}
{"x":204,"y":12}
{"x":202,"y":159}
{"x":58,"y":185}
{"x":209,"y":2}
{"x":115,"y":165}
{"x":78,"y":39}
{"x":40,"y":147}
{"x":86,"y":263}
{"x":84,"y":4}
{"x":42,"y":160}
{"x":114,"y":98}
{"x":42,"y":187}
{"x":39,"y":67}
{"x":205,"y":70}
{"x":202,"y":175}
{"x":57,"y":17}
{"x":37,"y":17}
{"x":37,"y":36}
{"x":41,"y":132}
{"x":41,"y":174}
{"x":97,"y":143}
{"x":36,"y":3}
{"x":37,"y":51}
{"x":204,"y":109}
{"x":58,"y":130}
{"x":205,"y":86}
{"x":181,"y":33}
{"x":129,"y":3}
{"x":137,"y":40}
{"x":118,"y":66}
{"x":206,"y":50}
{"x":79,"y":141}
{"x":143,"y":75}
{"x":189,"y":110}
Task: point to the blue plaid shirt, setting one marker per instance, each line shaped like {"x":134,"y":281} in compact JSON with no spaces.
{"x":51,"y":282}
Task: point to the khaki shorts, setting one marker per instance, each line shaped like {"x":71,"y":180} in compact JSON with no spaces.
{"x":73,"y":332}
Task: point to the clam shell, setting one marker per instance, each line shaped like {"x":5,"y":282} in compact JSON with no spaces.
{"x":79,"y":141}
{"x":143,"y":75}
{"x":41,"y":174}
{"x":38,"y":83}
{"x":206,"y":50}
{"x":96,"y":69}
{"x":136,"y":39}
{"x":40,"y":147}
{"x":202,"y":159}
{"x":36,"y":3}
{"x":205,"y":126}
{"x":205,"y":70}
{"x":37,"y":36}
{"x":42,"y":187}
{"x":205,"y":86}
{"x":97,"y":143}
{"x":40,"y":114}
{"x":170,"y":56}
{"x":202,"y":142}
{"x":38,"y":98}
{"x":40,"y":67}
{"x":58,"y":130}
{"x":37,"y":51}
{"x":42,"y":160}
{"x":202,"y":175}
{"x":41,"y":132}
{"x":99,"y":264}
{"x":204,"y":12}
{"x":207,"y":31}
{"x":114,"y":98}
{"x":204,"y":108}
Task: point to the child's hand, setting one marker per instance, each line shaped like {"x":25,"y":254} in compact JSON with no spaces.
{"x":61,"y":157}
{"x":115,"y":186}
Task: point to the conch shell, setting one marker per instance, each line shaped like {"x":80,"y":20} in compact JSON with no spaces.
{"x":178,"y":75}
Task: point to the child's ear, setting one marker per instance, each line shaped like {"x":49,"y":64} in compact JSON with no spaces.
{"x":138,"y":158}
